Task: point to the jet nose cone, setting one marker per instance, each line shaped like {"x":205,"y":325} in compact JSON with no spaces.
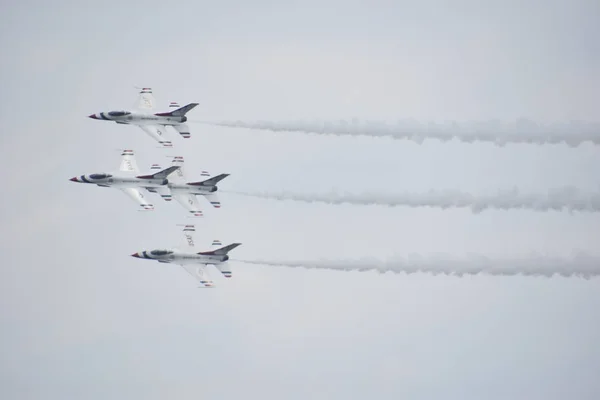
{"x":73,"y":179}
{"x":93,"y":116}
{"x":136,"y":255}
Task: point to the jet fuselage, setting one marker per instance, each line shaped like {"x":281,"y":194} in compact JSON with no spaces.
{"x":137,"y":118}
{"x":119,"y":181}
{"x":178,"y":257}
{"x":192,"y":189}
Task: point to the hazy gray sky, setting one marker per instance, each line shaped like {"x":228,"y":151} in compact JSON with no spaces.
{"x":80,"y":318}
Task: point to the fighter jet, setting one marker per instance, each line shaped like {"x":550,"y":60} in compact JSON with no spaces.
{"x":185,"y":192}
{"x":193,"y":262}
{"x":153,"y":124}
{"x":129,"y":180}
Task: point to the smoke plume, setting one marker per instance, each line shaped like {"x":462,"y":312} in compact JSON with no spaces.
{"x":572,"y":133}
{"x":560,"y":199}
{"x":579,"y":265}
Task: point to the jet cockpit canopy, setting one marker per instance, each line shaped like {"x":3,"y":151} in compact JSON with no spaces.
{"x":161,"y":252}
{"x":118,"y":113}
{"x":100,"y":176}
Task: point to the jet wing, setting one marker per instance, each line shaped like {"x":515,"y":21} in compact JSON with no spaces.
{"x":128,"y":163}
{"x":187,"y":241}
{"x":179,"y":175}
{"x":189,"y":202}
{"x":199,"y":272}
{"x":139,"y":198}
{"x":146,"y":101}
{"x":158,"y":133}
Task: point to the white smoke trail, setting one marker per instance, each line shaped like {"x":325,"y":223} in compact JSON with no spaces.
{"x":580,"y":265}
{"x":561,"y":199}
{"x":521,"y":131}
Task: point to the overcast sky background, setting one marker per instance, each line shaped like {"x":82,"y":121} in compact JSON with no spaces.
{"x":81,"y":318}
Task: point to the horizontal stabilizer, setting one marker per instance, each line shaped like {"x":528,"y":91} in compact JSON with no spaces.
{"x":161,"y":174}
{"x":183,"y":130}
{"x":189,"y":228}
{"x":225,"y":269}
{"x":211,"y":181}
{"x":180,"y":112}
{"x":164,"y":192}
{"x":220,"y":252}
{"x":214,"y":200}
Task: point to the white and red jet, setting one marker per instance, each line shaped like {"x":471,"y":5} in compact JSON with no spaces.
{"x":129,"y":180}
{"x":193,"y":262}
{"x":185,"y":192}
{"x":154,"y":124}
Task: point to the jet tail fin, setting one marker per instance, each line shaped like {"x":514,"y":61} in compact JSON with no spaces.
{"x":180,"y":112}
{"x":224,"y":268}
{"x":161,"y":174}
{"x":221,"y":251}
{"x":210,"y":181}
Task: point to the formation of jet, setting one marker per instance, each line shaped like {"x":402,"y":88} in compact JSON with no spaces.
{"x":194,"y":262}
{"x":169,"y":183}
{"x":154,"y":124}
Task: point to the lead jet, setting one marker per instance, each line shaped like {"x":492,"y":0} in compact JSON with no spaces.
{"x":129,"y":180}
{"x":185,"y":192}
{"x":154,"y":124}
{"x":193,"y":262}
